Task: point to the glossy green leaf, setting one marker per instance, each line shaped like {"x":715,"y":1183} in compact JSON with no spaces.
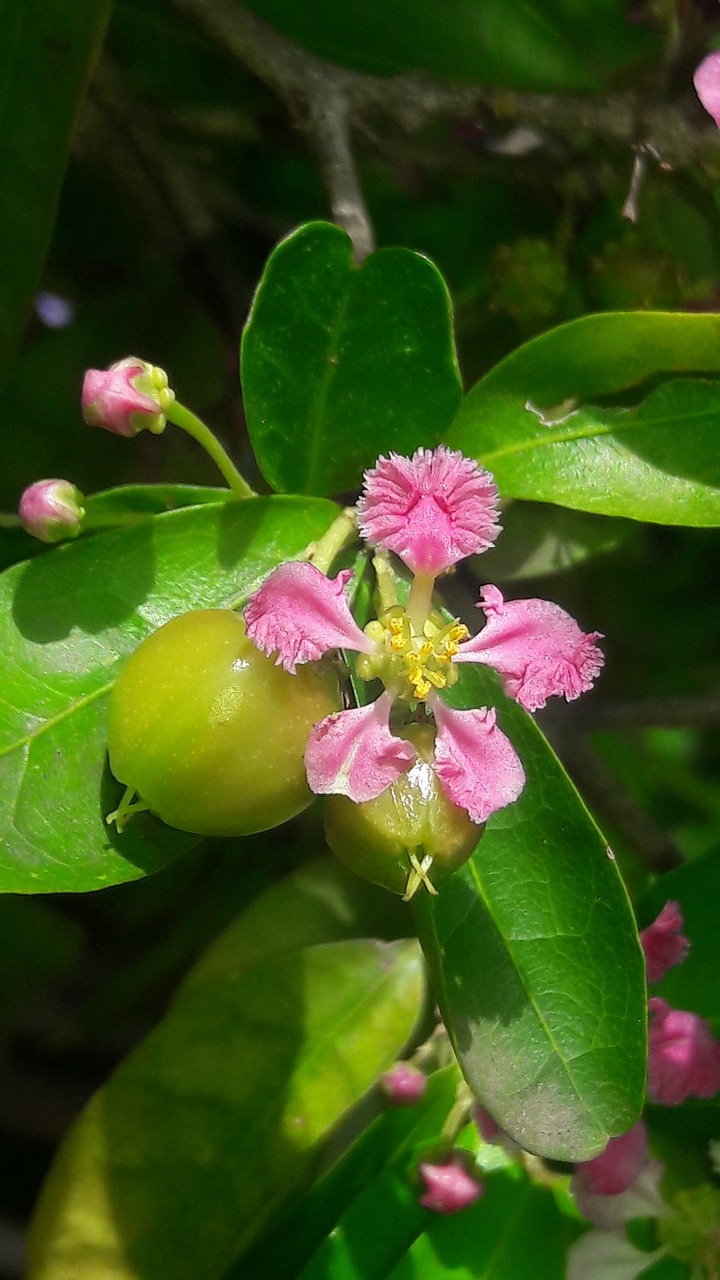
{"x":541,"y":539}
{"x":535,"y":960}
{"x":391,"y":1142}
{"x":70,"y":619}
{"x":214,"y":1119}
{"x":340,"y":364}
{"x":535,"y":422}
{"x":115,"y":506}
{"x":47,"y":48}
{"x":514,"y":1231}
{"x":695,"y":886}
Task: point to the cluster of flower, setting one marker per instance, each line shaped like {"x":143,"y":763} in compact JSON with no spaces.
{"x":622,"y":1182}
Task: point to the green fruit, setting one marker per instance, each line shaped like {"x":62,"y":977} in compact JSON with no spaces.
{"x":389,"y":839}
{"x":209,"y":732}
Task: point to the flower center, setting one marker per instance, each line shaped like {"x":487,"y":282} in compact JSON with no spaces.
{"x":416,"y":661}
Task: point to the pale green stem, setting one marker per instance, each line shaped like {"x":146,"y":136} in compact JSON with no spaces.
{"x":420,"y":599}
{"x":8,"y":521}
{"x":385,"y":581}
{"x":459,"y":1113}
{"x":341,"y":531}
{"x":195,"y":427}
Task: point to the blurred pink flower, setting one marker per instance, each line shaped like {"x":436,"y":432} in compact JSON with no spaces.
{"x":617,"y":1167}
{"x":449,"y":1186}
{"x":707,"y":84}
{"x":683,"y":1055}
{"x":663,"y":943}
{"x":403,"y":1085}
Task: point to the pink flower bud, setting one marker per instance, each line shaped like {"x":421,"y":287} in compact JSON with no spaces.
{"x":129,"y":397}
{"x":52,"y":510}
{"x":617,"y":1167}
{"x":403,"y":1085}
{"x":663,"y":943}
{"x":450,"y":1187}
{"x":488,"y":1128}
{"x":707,"y":84}
{"x":683,"y":1057}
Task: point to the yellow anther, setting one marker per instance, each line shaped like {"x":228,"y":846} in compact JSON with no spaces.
{"x":426,"y":650}
{"x":422,"y":689}
{"x":458,"y":632}
{"x":443,"y":657}
{"x":450,"y":650}
{"x":395,"y":626}
{"x":436,"y":678}
{"x":397,"y":643}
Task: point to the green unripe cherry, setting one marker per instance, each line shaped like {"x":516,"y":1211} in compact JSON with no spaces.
{"x":409,"y":833}
{"x":209,"y":733}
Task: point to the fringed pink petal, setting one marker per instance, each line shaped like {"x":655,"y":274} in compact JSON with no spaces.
{"x":683,"y":1055}
{"x":475,"y":762}
{"x":706,"y":79}
{"x":664,"y":943}
{"x":432,"y":509}
{"x":537,"y":648}
{"x":353,"y":753}
{"x":301,"y":614}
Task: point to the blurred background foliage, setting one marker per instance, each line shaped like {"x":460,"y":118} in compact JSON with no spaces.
{"x":184,"y":171}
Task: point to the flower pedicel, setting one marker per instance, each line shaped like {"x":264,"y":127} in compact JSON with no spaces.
{"x":431,"y":510}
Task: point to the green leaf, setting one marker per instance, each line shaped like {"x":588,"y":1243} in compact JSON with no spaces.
{"x":120,"y":505}
{"x":514,"y":1231}
{"x":341,"y":364}
{"x":69,"y":619}
{"x":213,"y":1121}
{"x":535,"y":960}
{"x":534,"y":421}
{"x":692,"y":984}
{"x":392,"y":1141}
{"x":47,"y":51}
{"x":538,"y":540}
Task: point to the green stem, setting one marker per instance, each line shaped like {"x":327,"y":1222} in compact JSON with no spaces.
{"x":385,"y":580}
{"x":420,"y":599}
{"x":190,"y":423}
{"x":341,"y":531}
{"x":8,"y":521}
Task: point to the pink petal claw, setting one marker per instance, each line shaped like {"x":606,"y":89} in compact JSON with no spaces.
{"x":617,"y":1167}
{"x":707,"y":84}
{"x":353,"y":753}
{"x":301,"y":614}
{"x":663,"y":943}
{"x":432,"y":509}
{"x":475,"y":762}
{"x":683,"y":1055}
{"x":537,"y":648}
{"x":448,"y":1187}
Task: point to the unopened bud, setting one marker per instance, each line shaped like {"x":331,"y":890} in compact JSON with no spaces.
{"x":450,"y":1187}
{"x":129,"y":397}
{"x":52,"y":510}
{"x":403,"y":1085}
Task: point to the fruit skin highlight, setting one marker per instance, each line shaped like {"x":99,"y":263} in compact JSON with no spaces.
{"x":209,"y":733}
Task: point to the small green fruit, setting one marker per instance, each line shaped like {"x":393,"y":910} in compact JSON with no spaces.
{"x":209,"y":733}
{"x":390,"y":839}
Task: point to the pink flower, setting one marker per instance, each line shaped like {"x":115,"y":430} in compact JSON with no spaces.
{"x":432,"y":509}
{"x":52,"y":510}
{"x":403,"y":1085}
{"x":707,"y":84}
{"x":684,"y":1056}
{"x":617,"y":1167}
{"x":129,"y":397}
{"x":449,"y":1186}
{"x":663,"y":943}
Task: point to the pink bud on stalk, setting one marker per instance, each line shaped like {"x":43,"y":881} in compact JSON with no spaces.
{"x":683,"y":1055}
{"x":52,"y":510}
{"x":664,"y":943}
{"x":403,"y":1085}
{"x":129,"y":397}
{"x":449,"y":1187}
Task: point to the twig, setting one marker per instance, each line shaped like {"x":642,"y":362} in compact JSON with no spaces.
{"x":414,"y":101}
